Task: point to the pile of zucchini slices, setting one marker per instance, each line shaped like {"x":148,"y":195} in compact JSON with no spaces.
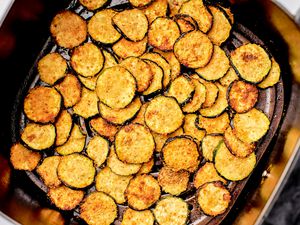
{"x":143,"y":107}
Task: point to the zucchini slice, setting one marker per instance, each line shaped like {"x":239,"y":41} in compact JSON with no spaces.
{"x":133,"y":217}
{"x":185,"y":23}
{"x":22,"y":158}
{"x":251,"y":126}
{"x":132,"y":23}
{"x":216,"y":125}
{"x":160,"y":139}
{"x":39,"y":137}
{"x":193,"y":49}
{"x":147,"y":167}
{"x":217,"y":66}
{"x":42,"y":104}
{"x":181,"y":153}
{"x":87,"y":60}
{"x":251,"y":62}
{"x":101,"y":29}
{"x":158,"y":8}
{"x":173,"y":182}
{"x":273,"y":76}
{"x":171,"y":211}
{"x":93,"y":4}
{"x":112,"y":184}
{"x":65,"y":198}
{"x":47,"y":170}
{"x":63,"y":127}
{"x":140,"y":116}
{"x":242,"y":96}
{"x":162,"y":33}
{"x":97,"y":149}
{"x":140,"y":70}
{"x":228,"y":13}
{"x":213,"y":198}
{"x":209,"y":144}
{"x":52,"y":67}
{"x":157,"y":80}
{"x":231,"y":167}
{"x":120,"y":116}
{"x":191,"y":129}
{"x":207,"y":173}
{"x":76,"y":170}
{"x":98,"y":202}
{"x":116,"y":87}
{"x":68,"y":29}
{"x":134,"y":144}
{"x":140,"y":3}
{"x":124,"y":48}
{"x":142,"y":192}
{"x":104,"y":128}
{"x":229,"y":77}
{"x":175,"y":5}
{"x":157,"y":115}
{"x":87,"y":105}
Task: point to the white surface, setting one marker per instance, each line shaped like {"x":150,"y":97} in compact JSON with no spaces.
{"x":4,"y":9}
{"x":291,"y":6}
{"x":5,"y":220}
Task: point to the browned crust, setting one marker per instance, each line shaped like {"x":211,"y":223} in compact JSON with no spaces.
{"x":104,"y":128}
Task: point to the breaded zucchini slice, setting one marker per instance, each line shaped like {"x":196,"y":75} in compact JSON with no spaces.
{"x":70,"y":89}
{"x":209,"y":144}
{"x":112,"y":184}
{"x":173,"y":182}
{"x":98,"y":208}
{"x":68,"y":29}
{"x":171,"y":211}
{"x":207,"y":173}
{"x":162,"y":33}
{"x":147,"y":167}
{"x":87,"y":105}
{"x":157,"y":115}
{"x":228,"y":13}
{"x":42,"y":104}
{"x":119,"y":167}
{"x":142,"y":192}
{"x":140,"y":3}
{"x":76,"y":170}
{"x":65,"y":198}
{"x":216,"y":125}
{"x":181,"y":153}
{"x":185,"y":23}
{"x":47,"y":170}
{"x":221,"y":26}
{"x":22,"y":158}
{"x":97,"y":149}
{"x":252,"y":62}
{"x":193,"y":49}
{"x":104,"y":128}
{"x":242,"y":96}
{"x":140,"y":116}
{"x":132,"y":23}
{"x":63,"y":127}
{"x":182,"y":89}
{"x":116,"y":87}
{"x":93,"y":4}
{"x":213,"y":198}
{"x":52,"y":67}
{"x":140,"y":70}
{"x":120,"y":116}
{"x":124,"y":48}
{"x":190,"y":128}
{"x":160,"y":139}
{"x":229,"y":77}
{"x":175,"y":5}
{"x":231,"y":167}
{"x":273,"y":76}
{"x":217,"y":66}
{"x":87,"y":60}
{"x":158,"y":8}
{"x":134,"y":144}
{"x":38,"y":137}
{"x":251,"y":126}
{"x":133,"y":217}
{"x":101,"y":29}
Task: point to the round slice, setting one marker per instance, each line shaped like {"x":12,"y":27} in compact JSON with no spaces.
{"x":97,"y":149}
{"x":191,"y":129}
{"x":185,"y":23}
{"x":216,"y":125}
{"x":87,"y":105}
{"x":229,"y":77}
{"x":93,"y":4}
{"x":272,"y":77}
{"x":140,"y":3}
{"x":104,"y":128}
{"x":156,"y":84}
{"x":133,"y":217}
{"x":147,"y":167}
{"x":124,"y":48}
{"x":157,"y":8}
{"x":209,"y":144}
{"x":47,"y":170}
{"x":63,"y":127}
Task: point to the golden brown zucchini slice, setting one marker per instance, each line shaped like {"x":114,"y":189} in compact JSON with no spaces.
{"x":217,"y":66}
{"x":185,"y":23}
{"x":157,"y":115}
{"x":181,"y":153}
{"x":228,"y":13}
{"x":142,"y":192}
{"x":242,"y":96}
{"x":216,"y":125}
{"x":273,"y":76}
{"x":39,"y":137}
{"x":132,"y":23}
{"x":134,"y":144}
{"x":104,"y":128}
{"x":133,"y":217}
{"x":52,"y":67}
{"x":88,"y":104}
{"x":93,"y":4}
{"x":175,"y":5}
{"x":193,"y":49}
{"x":173,"y":182}
{"x":63,"y":127}
{"x":140,"y":3}
{"x":147,"y":167}
{"x":251,"y":62}
{"x":158,"y":8}
{"x":98,"y":202}
{"x":140,"y":118}
{"x":191,"y":129}
{"x":42,"y":104}
{"x":116,"y":87}
{"x":97,"y":149}
{"x":160,"y":139}
{"x":171,"y":211}
{"x":209,"y":144}
{"x":68,"y":29}
{"x":251,"y":126}
{"x":162,"y":33}
{"x":157,"y":80}
{"x":76,"y":170}
{"x":24,"y":159}
{"x":65,"y":198}
{"x":124,"y":48}
{"x":213,"y":198}
{"x":232,"y":167}
{"x":229,"y":77}
{"x":47,"y":170}
{"x":101,"y":29}
{"x":112,"y":184}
